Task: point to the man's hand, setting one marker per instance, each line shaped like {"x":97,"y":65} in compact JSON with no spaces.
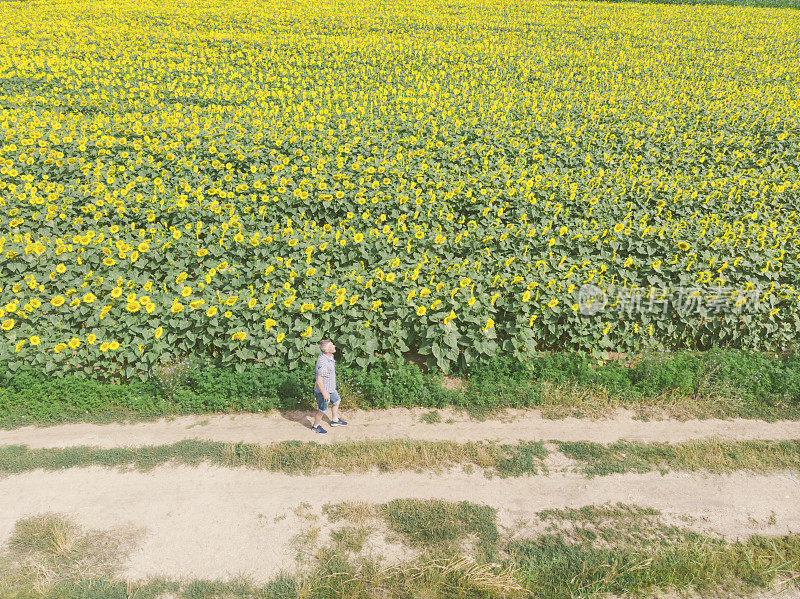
{"x":326,"y":396}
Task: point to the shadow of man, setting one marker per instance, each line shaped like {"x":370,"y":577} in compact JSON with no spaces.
{"x":304,"y":417}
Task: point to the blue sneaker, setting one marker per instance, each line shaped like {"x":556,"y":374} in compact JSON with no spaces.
{"x":318,"y":429}
{"x":339,"y":422}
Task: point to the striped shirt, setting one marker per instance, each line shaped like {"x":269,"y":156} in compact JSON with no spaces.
{"x":326,"y":368}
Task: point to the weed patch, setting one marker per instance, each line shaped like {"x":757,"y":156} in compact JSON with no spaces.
{"x":431,"y":417}
{"x":521,"y":459}
{"x":50,"y":549}
{"x":350,"y":538}
{"x":610,"y":526}
{"x":556,"y":567}
{"x":596,"y":459}
{"x":441,"y":526}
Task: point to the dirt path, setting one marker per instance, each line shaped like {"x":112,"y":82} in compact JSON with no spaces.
{"x":395,"y":423}
{"x":215,"y":523}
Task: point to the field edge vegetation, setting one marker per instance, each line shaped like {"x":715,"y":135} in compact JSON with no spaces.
{"x":685,"y":384}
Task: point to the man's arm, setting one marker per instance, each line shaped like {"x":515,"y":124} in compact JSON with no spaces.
{"x":321,"y":385}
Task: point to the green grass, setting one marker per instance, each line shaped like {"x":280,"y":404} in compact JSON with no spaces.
{"x":350,"y":538}
{"x":554,"y":568}
{"x":292,"y":457}
{"x":626,"y":550}
{"x":586,"y":552}
{"x":617,"y":525}
{"x":441,"y":526}
{"x":681,"y":384}
{"x":357,"y":512}
{"x":431,"y":417}
{"x":522,"y":459}
{"x":596,"y":459}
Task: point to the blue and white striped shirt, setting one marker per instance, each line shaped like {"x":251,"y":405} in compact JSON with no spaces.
{"x":326,"y":368}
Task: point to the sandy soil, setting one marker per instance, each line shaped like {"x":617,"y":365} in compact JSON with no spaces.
{"x":216,"y":523}
{"x":396,"y":423}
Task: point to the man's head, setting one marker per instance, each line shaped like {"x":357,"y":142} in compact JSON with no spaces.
{"x":326,"y":346}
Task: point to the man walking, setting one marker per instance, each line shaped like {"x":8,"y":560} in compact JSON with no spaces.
{"x":325,"y":387}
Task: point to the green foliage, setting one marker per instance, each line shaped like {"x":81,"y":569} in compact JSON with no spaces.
{"x":393,"y":382}
{"x":171,"y":373}
{"x":756,"y":385}
{"x":755,"y":3}
{"x":459,"y":230}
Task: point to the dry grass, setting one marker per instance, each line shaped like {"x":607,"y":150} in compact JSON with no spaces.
{"x":288,"y":456}
{"x":560,"y":400}
{"x":49,"y":548}
{"x":596,"y":459}
{"x":453,"y":383}
{"x":579,"y":400}
{"x":465,"y":575}
{"x":357,"y":512}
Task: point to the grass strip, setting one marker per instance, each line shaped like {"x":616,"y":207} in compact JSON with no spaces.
{"x":596,"y":459}
{"x":554,"y":569}
{"x":293,"y":457}
{"x":528,"y":458}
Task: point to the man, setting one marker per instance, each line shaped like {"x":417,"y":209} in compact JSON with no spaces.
{"x":325,"y":387}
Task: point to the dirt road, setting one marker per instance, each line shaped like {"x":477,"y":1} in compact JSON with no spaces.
{"x":212,"y":522}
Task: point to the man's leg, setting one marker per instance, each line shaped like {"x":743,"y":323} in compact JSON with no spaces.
{"x":335,"y":406}
{"x":322,"y":407}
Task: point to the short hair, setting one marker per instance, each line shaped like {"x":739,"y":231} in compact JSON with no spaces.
{"x":324,"y":343}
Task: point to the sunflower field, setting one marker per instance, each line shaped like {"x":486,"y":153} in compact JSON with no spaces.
{"x":454,"y":178}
